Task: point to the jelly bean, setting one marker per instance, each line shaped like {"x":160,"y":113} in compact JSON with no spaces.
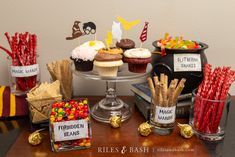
{"x":88,"y":144}
{"x":56,"y":110}
{"x":59,"y":118}
{"x":52,"y":118}
{"x":82,"y":144}
{"x":54,"y":105}
{"x":66,"y":105}
{"x":85,"y":101}
{"x":60,"y":110}
{"x":80,"y":104}
{"x":70,"y":116}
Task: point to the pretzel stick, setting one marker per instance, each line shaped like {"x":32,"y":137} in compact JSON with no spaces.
{"x":155,"y":79}
{"x":171,"y":93}
{"x":175,"y":82}
{"x":162,"y":78}
{"x":151,"y":86}
{"x":178,"y":90}
{"x":164,"y":95}
{"x":166,"y":82}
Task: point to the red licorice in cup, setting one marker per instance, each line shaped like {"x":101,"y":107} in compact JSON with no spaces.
{"x":215,"y":86}
{"x":23,"y":53}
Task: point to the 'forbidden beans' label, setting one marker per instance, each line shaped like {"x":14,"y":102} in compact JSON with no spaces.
{"x":71,"y":130}
{"x":24,"y":71}
{"x":165,"y":115}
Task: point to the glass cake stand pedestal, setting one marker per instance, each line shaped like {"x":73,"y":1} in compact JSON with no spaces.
{"x":112,"y":105}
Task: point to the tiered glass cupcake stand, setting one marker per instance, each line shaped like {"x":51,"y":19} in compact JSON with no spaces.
{"x":111,"y":104}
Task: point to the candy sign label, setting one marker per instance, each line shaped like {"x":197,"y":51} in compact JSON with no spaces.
{"x":187,"y":62}
{"x":24,"y":71}
{"x":70,"y":130}
{"x":165,"y":115}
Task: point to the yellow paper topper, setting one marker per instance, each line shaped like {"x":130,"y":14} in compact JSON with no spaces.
{"x":109,"y":39}
{"x":127,"y":25}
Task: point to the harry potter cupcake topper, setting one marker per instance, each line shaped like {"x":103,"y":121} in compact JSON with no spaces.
{"x":88,"y":28}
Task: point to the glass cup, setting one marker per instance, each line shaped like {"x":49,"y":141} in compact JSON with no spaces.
{"x":209,"y":117}
{"x":162,"y":117}
{"x":22,"y":78}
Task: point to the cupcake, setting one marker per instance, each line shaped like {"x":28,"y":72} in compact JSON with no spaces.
{"x":107,"y":63}
{"x":83,"y":58}
{"x":126,"y":44}
{"x":137,"y":59}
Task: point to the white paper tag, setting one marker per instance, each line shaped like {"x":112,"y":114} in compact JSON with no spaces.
{"x":165,"y":115}
{"x":24,"y":71}
{"x":71,"y":130}
{"x":187,"y":62}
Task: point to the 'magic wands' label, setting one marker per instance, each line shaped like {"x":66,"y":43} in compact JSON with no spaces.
{"x":24,"y":71}
{"x":165,"y":115}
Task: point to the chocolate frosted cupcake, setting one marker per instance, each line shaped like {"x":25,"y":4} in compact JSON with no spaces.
{"x":125,"y":44}
{"x":83,"y":58}
{"x":137,"y":59}
{"x":107,"y":63}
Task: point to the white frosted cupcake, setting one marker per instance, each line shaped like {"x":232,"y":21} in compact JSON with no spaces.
{"x":83,"y":58}
{"x":137,"y":59}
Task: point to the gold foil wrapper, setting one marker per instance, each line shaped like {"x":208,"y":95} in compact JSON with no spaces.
{"x":35,"y":138}
{"x":185,"y":130}
{"x":115,"y":121}
{"x":145,"y":129}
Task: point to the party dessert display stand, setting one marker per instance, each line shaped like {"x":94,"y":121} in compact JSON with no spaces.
{"x":112,"y":105}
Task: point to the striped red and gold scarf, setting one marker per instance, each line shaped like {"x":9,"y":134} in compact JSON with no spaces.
{"x":12,"y":105}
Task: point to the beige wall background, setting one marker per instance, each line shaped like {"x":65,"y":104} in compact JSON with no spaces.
{"x":210,"y":21}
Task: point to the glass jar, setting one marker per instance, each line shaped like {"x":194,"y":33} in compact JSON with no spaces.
{"x":69,"y":126}
{"x":209,"y":117}
{"x":162,"y":118}
{"x":22,"y":78}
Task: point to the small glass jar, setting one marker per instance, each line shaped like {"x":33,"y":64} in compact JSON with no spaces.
{"x":162,"y":118}
{"x":69,"y":126}
{"x":22,"y":78}
{"x":208,"y":118}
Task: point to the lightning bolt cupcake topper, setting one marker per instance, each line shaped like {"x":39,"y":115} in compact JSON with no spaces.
{"x":109,"y":39}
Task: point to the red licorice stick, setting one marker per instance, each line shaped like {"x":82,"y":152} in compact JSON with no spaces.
{"x":208,"y":105}
{"x":230,"y":78}
{"x":201,"y":105}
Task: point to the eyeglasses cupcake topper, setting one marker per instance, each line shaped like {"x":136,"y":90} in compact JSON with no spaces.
{"x":87,"y":29}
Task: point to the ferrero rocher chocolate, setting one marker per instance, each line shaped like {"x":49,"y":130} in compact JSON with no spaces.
{"x":115,"y":121}
{"x":145,"y":129}
{"x":185,"y":130}
{"x":35,"y":138}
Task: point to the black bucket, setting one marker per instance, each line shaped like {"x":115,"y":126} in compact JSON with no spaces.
{"x":181,"y":63}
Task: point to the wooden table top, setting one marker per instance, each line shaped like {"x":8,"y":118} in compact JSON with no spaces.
{"x":107,"y":141}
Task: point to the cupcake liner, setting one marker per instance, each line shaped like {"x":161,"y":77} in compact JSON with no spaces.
{"x":137,"y":68}
{"x":107,"y":71}
{"x":81,"y":65}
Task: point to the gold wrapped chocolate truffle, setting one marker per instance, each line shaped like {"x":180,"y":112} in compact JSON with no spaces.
{"x":115,"y":121}
{"x":35,"y":138}
{"x":145,"y":129}
{"x":185,"y":130}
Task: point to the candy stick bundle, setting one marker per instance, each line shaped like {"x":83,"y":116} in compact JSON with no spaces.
{"x":23,"y":53}
{"x":215,"y":87}
{"x":163,"y":95}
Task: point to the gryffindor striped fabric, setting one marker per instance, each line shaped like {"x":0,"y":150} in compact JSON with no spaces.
{"x":11,"y":105}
